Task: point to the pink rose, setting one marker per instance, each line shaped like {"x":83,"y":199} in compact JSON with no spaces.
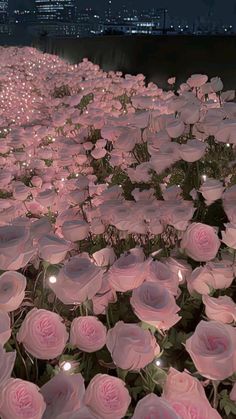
{"x":5,"y":327}
{"x":154,"y":304}
{"x":63,"y":395}
{"x":175,"y":128}
{"x":104,"y":296}
{"x":197,"y":80}
{"x":88,"y":334}
{"x":107,"y":397}
{"x":211,"y":190}
{"x":75,"y":230}
{"x":180,"y":268}
{"x":46,"y":198}
{"x":152,"y":406}
{"x":229,"y":235}
{"x":77,"y":281}
{"x":192,"y":151}
{"x":12,"y":290}
{"x":200,"y":242}
{"x":181,"y":384}
{"x":221,"y":309}
{"x":161,"y":273}
{"x":131,"y":347}
{"x":83,"y":413}
{"x":104,"y":257}
{"x":40,"y":228}
{"x":212,"y":349}
{"x":129,"y":271}
{"x":21,"y":399}
{"x":214,"y":275}
{"x":7,"y":361}
{"x":187,"y":396}
{"x":16,"y":247}
{"x":43,"y":334}
{"x":53,"y":249}
{"x":194,"y":408}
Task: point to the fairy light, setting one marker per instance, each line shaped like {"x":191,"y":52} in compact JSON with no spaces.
{"x":67,"y":366}
{"x":158,"y":362}
{"x":52,"y":279}
{"x":204,"y":178}
{"x":228,"y":145}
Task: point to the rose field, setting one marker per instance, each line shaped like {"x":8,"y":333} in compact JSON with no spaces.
{"x":117,"y":243}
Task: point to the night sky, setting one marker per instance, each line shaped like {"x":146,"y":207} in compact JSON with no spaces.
{"x":226,"y":9}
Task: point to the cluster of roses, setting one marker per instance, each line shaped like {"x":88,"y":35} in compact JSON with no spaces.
{"x":91,"y":213}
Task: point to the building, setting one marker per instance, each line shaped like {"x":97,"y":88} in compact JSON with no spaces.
{"x":88,"y":21}
{"x":3,"y":11}
{"x":55,"y":10}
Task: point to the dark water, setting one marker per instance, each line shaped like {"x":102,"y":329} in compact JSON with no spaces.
{"x":157,"y":57}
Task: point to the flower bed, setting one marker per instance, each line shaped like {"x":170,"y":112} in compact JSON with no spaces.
{"x":117,"y":243}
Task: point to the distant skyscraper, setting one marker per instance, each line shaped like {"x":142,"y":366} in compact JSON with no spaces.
{"x":3,"y":10}
{"x":55,"y":10}
{"x":108,"y":11}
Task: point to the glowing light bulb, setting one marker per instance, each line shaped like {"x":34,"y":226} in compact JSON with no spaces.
{"x":204,"y":178}
{"x":67,"y":366}
{"x":158,"y":362}
{"x":52,"y":279}
{"x":228,"y":145}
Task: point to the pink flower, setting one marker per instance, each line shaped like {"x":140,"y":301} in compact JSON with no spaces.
{"x":211,"y":190}
{"x":212,"y":349}
{"x":129,"y":271}
{"x":16,"y":247}
{"x":104,"y":296}
{"x":21,"y":399}
{"x":77,"y":281}
{"x":53,"y":249}
{"x":214,"y":275}
{"x":200,"y":242}
{"x":198,"y":408}
{"x":88,"y":334}
{"x":5,"y":327}
{"x":153,"y":304}
{"x":12,"y":290}
{"x":175,"y":128}
{"x":180,"y":268}
{"x":192,"y":151}
{"x":104,"y":257}
{"x":131,"y":347}
{"x":107,"y":397}
{"x":171,"y":80}
{"x":181,"y":384}
{"x":7,"y":360}
{"x":63,"y":395}
{"x":221,"y":309}
{"x":229,"y":235}
{"x":43,"y":334}
{"x":152,"y":406}
{"x":46,"y":198}
{"x":75,"y":230}
{"x":162,"y":274}
{"x":197,"y":80}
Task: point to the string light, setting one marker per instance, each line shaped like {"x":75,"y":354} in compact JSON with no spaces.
{"x":204,"y":178}
{"x":158,"y":362}
{"x":52,"y":279}
{"x":66,"y":366}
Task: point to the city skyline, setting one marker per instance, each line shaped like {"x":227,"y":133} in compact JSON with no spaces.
{"x":183,"y":8}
